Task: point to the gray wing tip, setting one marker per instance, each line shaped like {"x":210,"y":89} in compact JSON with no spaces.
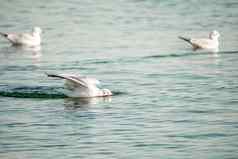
{"x":185,"y":39}
{"x":181,"y":37}
{"x":47,"y":74}
{"x":50,"y":75}
{"x":3,"y":34}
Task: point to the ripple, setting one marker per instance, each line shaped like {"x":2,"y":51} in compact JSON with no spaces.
{"x":202,"y":136}
{"x":32,"y":92}
{"x":39,"y":92}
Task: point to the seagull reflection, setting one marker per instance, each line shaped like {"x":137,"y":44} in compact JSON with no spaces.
{"x":75,"y":103}
{"x":27,"y":48}
{"x":30,"y":52}
{"x":21,"y":52}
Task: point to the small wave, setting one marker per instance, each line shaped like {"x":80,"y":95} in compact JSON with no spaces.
{"x":188,"y":54}
{"x":37,"y":92}
{"x":169,"y":55}
{"x":116,"y":93}
{"x":32,"y":92}
{"x":101,"y":62}
{"x":228,"y":52}
{"x":20,"y":68}
{"x":31,"y":95}
{"x":98,"y":61}
{"x":201,"y":136}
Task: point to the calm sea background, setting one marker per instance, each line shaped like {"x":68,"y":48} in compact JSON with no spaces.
{"x":169,"y":102}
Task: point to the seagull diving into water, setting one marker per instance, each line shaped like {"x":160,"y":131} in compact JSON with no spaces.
{"x":210,"y":43}
{"x":27,"y":39}
{"x":81,"y":86}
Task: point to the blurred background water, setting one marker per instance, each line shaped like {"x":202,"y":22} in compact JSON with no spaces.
{"x":169,"y":102}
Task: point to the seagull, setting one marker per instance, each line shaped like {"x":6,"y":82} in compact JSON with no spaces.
{"x":210,"y":43}
{"x":26,"y":39}
{"x":81,"y":86}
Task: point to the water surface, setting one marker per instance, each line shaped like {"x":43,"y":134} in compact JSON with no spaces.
{"x":169,"y":102}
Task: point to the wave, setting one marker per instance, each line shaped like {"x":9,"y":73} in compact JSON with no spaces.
{"x":188,"y":54}
{"x":117,"y":93}
{"x":228,"y":52}
{"x":37,"y":92}
{"x":169,"y":55}
{"x":32,"y":92}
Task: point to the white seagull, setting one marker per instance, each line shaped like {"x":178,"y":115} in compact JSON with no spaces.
{"x":81,"y":86}
{"x":210,"y":43}
{"x":26,"y":39}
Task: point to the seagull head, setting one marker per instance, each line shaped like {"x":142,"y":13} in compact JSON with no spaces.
{"x":214,"y":35}
{"x":37,"y":30}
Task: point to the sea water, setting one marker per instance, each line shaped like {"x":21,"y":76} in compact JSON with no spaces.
{"x":168,"y":102}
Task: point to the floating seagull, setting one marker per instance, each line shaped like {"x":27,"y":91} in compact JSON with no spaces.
{"x":210,"y":43}
{"x":81,"y":86}
{"x":27,"y":39}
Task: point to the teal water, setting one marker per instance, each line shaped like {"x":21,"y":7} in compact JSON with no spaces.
{"x":169,"y":102}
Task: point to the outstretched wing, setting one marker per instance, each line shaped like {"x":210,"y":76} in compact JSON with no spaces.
{"x":74,"y":79}
{"x":90,"y":81}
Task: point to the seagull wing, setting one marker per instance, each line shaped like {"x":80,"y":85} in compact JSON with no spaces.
{"x":91,"y":81}
{"x":72,"y":78}
{"x":201,"y":43}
